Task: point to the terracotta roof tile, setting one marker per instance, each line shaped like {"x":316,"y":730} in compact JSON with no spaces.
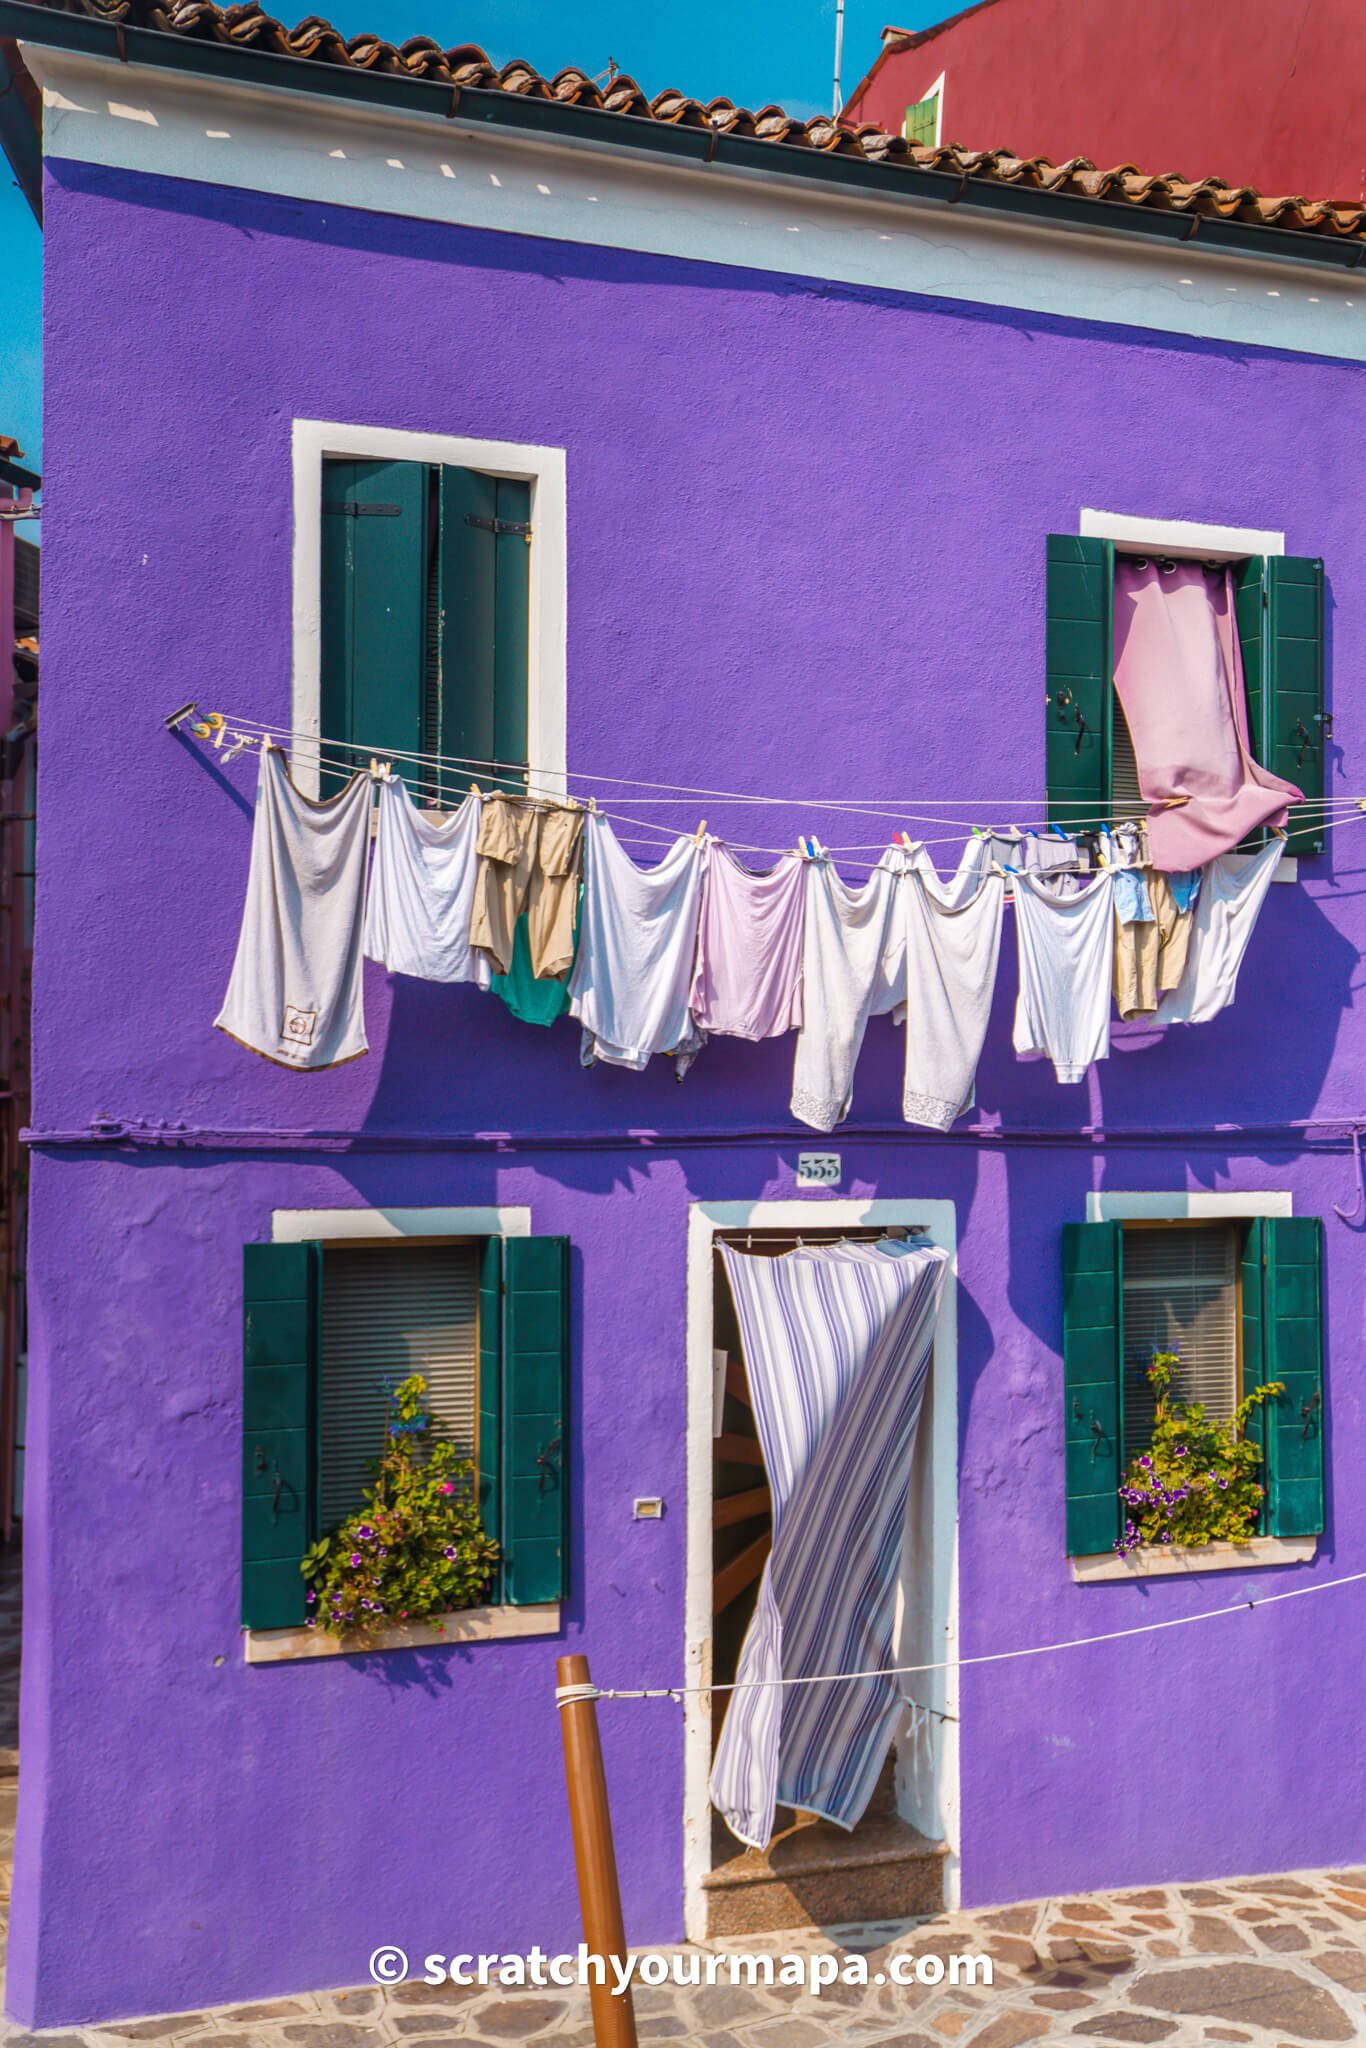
{"x":248,"y":27}
{"x":10,"y":451}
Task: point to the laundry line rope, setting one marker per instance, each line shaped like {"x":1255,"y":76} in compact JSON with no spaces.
{"x":679,"y":1692}
{"x":340,"y":756}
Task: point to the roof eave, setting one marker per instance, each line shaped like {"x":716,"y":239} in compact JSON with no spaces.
{"x":20,"y":136}
{"x":553,"y":120}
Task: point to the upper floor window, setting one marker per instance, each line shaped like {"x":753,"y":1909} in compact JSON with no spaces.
{"x":1278,"y":605}
{"x":923,"y":121}
{"x":425,"y":619}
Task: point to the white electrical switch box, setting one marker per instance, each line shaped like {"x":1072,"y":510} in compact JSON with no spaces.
{"x":650,"y":1509}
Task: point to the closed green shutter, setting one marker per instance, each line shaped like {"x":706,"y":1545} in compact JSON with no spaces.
{"x":1280,"y":610}
{"x":375,"y":547}
{"x":1092,"y":1350}
{"x":484,"y":626}
{"x":490,"y":1384}
{"x":1079,"y":666}
{"x":1293,"y":1310}
{"x":280,"y":1335}
{"x":535,"y":1461}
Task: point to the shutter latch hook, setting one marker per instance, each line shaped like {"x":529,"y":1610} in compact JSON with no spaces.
{"x":1353,"y":1214}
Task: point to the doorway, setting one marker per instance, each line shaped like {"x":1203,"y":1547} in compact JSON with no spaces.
{"x":729,"y":1527}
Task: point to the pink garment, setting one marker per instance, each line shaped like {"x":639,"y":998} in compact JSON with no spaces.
{"x":748,"y":980}
{"x":1179,"y":674}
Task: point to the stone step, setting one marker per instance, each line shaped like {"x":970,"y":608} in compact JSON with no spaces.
{"x":814,"y":1874}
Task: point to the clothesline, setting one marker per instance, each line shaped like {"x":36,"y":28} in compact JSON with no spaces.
{"x":225,"y":729}
{"x":680,"y":1692}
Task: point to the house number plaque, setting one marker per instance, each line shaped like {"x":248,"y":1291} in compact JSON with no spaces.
{"x":818,"y":1169}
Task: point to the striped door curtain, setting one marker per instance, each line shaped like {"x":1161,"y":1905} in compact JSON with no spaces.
{"x":837,"y":1343}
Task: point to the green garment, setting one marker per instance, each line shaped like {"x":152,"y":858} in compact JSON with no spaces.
{"x":535,"y":1002}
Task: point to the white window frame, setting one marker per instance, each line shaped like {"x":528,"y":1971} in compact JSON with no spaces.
{"x":927,"y":1623}
{"x":469,"y":1625}
{"x":315,"y":441}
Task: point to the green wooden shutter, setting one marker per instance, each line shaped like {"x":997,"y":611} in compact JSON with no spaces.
{"x":1079,"y":666}
{"x":490,"y":1385}
{"x":535,"y":1458}
{"x":1293,"y":1310}
{"x":280,"y":1336}
{"x":484,"y":625}
{"x":1254,"y":1339}
{"x":1093,"y":1350}
{"x":375,"y":550}
{"x":1280,"y":601}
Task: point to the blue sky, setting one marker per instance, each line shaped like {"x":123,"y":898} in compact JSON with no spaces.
{"x":752,"y":51}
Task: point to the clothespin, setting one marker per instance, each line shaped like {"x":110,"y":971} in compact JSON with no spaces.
{"x":476,"y":792}
{"x":904,"y":839}
{"x":241,"y":742}
{"x":701,"y":832}
{"x":379,"y":770}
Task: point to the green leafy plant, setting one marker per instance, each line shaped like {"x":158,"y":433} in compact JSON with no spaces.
{"x":1199,"y":1481}
{"x":417,"y":1548}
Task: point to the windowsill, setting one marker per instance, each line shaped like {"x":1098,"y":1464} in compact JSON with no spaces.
{"x":1157,"y":1561}
{"x":467,"y":1625}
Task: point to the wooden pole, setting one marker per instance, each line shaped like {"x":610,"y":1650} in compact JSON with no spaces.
{"x":595,"y":1858}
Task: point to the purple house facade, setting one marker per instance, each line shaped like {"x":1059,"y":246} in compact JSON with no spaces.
{"x":792,"y":433}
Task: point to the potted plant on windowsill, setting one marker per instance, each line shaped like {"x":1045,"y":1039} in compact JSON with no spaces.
{"x":416,"y":1550}
{"x":1198,"y":1483}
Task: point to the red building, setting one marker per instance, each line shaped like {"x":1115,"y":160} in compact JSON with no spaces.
{"x":1264,"y":93}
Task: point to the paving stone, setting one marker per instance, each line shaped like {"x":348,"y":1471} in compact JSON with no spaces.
{"x":1203,"y":1895}
{"x":1011,"y":2029}
{"x":1126,"y":2026}
{"x":1354,"y":1877}
{"x":279,"y":2009}
{"x":422,"y":2022}
{"x":513,"y":2018}
{"x":1013,"y":1919}
{"x":1082,"y":1909}
{"x":788,"y":2033}
{"x":146,"y":2030}
{"x":432,"y":1994}
{"x":663,"y":2027}
{"x":356,"y":2003}
{"x":1225,"y":2034}
{"x":1162,"y":1921}
{"x":732,"y":2003}
{"x":1014,"y":1950}
{"x":1164,"y":1948}
{"x":906,"y":2041}
{"x":1213,"y":1937}
{"x":1283,"y":1938}
{"x":330,"y":2034}
{"x":225,"y":2038}
{"x":1062,"y":2001}
{"x":1346,"y":1967}
{"x":1149,"y":1898}
{"x":1253,"y":1992}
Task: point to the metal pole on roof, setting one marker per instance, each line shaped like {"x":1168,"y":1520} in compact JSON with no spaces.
{"x":839,"y":55}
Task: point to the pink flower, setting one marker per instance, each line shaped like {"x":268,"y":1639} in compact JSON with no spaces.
{"x":446,"y":1486}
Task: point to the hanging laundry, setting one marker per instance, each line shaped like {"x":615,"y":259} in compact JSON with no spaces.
{"x":1185,"y":886}
{"x":837,"y":1343}
{"x":853,"y":968}
{"x":748,"y":980}
{"x":637,"y":943}
{"x":528,"y":862}
{"x":1126,"y":844}
{"x":295,"y":993}
{"x":1066,"y":973}
{"x":531,"y":999}
{"x":1175,"y":921}
{"x":1055,"y":853}
{"x":1138,"y":945}
{"x":953,"y":943}
{"x":417,"y":918}
{"x":1230,"y":902}
{"x":1179,"y":674}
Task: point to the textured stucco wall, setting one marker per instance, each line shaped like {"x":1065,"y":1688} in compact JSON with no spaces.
{"x":805,"y":554}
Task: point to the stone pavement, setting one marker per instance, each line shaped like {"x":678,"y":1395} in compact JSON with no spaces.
{"x":1270,"y":1962}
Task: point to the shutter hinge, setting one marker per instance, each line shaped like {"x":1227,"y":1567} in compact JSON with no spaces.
{"x":522,"y":526}
{"x":362,"y":511}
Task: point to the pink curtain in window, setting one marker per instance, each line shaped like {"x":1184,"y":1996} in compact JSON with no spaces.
{"x":1179,"y":674}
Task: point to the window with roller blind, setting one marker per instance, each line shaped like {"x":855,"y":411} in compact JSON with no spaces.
{"x":1180,"y":1294}
{"x":1241,"y":1300}
{"x":329,"y":1327}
